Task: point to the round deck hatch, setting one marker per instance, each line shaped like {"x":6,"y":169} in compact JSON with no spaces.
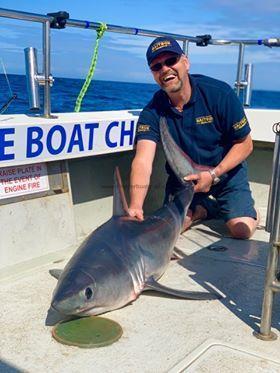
{"x":87,"y":332}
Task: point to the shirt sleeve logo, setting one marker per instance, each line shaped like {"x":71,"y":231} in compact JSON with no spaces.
{"x":240,"y":124}
{"x":204,"y":120}
{"x":143,"y":128}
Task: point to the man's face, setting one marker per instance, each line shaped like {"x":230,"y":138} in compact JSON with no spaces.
{"x":171,"y":78}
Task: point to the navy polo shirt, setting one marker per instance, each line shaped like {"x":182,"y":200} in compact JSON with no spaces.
{"x":208,"y":125}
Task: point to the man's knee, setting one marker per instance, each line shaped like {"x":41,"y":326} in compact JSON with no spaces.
{"x":243,"y":227}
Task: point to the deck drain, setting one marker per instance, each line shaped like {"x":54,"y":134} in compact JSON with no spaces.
{"x":217,"y":248}
{"x":87,"y":332}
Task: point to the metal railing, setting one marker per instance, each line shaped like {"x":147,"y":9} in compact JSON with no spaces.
{"x":272,"y":278}
{"x":46,"y":80}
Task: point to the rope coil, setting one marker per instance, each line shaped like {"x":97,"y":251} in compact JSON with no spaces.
{"x":100,"y":32}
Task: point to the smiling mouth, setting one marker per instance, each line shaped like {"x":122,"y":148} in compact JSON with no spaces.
{"x":168,"y":78}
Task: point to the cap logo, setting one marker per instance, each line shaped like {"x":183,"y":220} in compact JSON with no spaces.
{"x":161,"y":44}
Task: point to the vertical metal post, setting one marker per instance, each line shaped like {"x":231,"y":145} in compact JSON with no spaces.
{"x":265,"y":328}
{"x":186,"y":47}
{"x":31,"y":68}
{"x":275,"y":225}
{"x":239,"y":68}
{"x":248,"y":73}
{"x":275,"y":176}
{"x":46,"y":68}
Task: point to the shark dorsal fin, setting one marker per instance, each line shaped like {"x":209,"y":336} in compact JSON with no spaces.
{"x":120,"y":207}
{"x":181,"y":164}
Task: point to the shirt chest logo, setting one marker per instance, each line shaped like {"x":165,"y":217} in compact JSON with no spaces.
{"x":204,"y":120}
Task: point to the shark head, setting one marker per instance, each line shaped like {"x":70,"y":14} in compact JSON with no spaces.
{"x":74,"y":293}
{"x":79,"y":293}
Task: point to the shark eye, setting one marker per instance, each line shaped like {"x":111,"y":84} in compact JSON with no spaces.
{"x":88,"y":293}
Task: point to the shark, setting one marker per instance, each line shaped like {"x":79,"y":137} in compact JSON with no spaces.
{"x":125,"y":257}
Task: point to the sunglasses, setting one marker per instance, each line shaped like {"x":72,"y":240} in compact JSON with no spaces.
{"x":169,"y":62}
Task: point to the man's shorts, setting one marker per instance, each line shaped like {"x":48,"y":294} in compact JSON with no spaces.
{"x":230,"y":198}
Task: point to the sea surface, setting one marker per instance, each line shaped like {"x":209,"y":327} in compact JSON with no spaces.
{"x":101,"y":95}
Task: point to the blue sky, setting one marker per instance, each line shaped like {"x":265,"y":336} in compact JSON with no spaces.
{"x":122,"y":57}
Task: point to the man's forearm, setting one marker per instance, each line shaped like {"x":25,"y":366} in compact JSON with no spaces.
{"x":238,"y":153}
{"x":139,"y":184}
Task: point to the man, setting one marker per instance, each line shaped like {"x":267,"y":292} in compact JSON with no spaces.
{"x":207,"y":121}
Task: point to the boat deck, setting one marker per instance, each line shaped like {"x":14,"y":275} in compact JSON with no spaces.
{"x":160,"y":334}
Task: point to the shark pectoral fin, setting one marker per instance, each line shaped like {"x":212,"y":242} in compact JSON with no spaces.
{"x":120,"y":207}
{"x":56,"y":273}
{"x":193,"y":295}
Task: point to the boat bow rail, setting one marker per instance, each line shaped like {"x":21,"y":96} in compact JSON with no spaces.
{"x":60,"y":20}
{"x":272,"y":278}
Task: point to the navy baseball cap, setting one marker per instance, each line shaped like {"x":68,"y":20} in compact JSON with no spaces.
{"x":161,"y":45}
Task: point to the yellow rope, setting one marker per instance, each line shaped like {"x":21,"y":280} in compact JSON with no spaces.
{"x":100,"y":32}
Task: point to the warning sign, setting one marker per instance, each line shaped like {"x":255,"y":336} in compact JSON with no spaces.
{"x":21,"y":180}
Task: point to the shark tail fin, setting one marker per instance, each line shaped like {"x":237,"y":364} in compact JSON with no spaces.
{"x":181,"y":164}
{"x":120,"y":207}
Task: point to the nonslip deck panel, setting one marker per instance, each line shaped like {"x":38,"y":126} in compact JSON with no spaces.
{"x":213,"y":356}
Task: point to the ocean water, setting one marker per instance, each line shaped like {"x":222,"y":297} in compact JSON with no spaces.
{"x":102,"y":95}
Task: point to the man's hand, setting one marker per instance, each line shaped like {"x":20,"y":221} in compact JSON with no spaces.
{"x":136,"y":213}
{"x":202,"y":181}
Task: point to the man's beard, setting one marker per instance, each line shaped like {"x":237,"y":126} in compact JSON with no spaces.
{"x":173,"y":89}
